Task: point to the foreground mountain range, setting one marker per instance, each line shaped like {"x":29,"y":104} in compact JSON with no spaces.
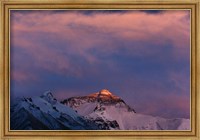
{"x":98,"y":111}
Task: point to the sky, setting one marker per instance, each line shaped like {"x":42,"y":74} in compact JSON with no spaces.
{"x":141,"y":56}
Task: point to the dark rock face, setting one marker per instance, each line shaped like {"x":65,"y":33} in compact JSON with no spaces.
{"x":105,"y":125}
{"x":103,"y":97}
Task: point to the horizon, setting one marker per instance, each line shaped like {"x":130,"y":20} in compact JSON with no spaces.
{"x":142,"y":56}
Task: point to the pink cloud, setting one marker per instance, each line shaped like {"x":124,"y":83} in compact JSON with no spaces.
{"x":167,"y":105}
{"x":155,"y":98}
{"x":20,"y":76}
{"x":138,"y":26}
{"x":180,"y":81}
{"x":79,"y":31}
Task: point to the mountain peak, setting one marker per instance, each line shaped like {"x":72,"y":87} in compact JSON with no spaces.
{"x":105,"y":92}
{"x":48,"y":96}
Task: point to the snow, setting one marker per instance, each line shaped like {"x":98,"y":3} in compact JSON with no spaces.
{"x":86,"y":108}
{"x":184,"y":125}
{"x":69,"y":111}
{"x":49,"y":112}
{"x":119,"y":111}
{"x":134,"y":121}
{"x":111,"y":111}
{"x":105,"y":92}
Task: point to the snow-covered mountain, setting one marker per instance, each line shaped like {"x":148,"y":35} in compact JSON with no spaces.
{"x":98,"y":111}
{"x":111,"y":112}
{"x":46,"y":113}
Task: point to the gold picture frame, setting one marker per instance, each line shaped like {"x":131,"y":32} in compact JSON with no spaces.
{"x":7,"y":5}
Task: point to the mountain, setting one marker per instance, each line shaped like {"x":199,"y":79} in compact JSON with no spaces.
{"x":46,"y":113}
{"x":111,"y":112}
{"x":98,"y":111}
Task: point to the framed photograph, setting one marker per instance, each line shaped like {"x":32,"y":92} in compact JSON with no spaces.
{"x":106,"y":69}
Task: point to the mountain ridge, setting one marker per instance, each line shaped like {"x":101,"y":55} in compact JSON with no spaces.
{"x":104,"y":97}
{"x":98,"y":111}
{"x":106,"y":106}
{"x":46,"y":113}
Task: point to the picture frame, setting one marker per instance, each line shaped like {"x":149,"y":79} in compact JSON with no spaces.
{"x":7,"y":5}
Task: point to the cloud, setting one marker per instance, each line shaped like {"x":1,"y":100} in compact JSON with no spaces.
{"x":20,"y":76}
{"x":85,"y":32}
{"x":169,"y":106}
{"x":49,"y":37}
{"x":163,"y":103}
{"x":181,"y":81}
{"x":142,"y":56}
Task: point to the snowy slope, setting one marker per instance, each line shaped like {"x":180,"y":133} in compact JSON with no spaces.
{"x":97,"y":111}
{"x":104,"y":107}
{"x":45,"y":112}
